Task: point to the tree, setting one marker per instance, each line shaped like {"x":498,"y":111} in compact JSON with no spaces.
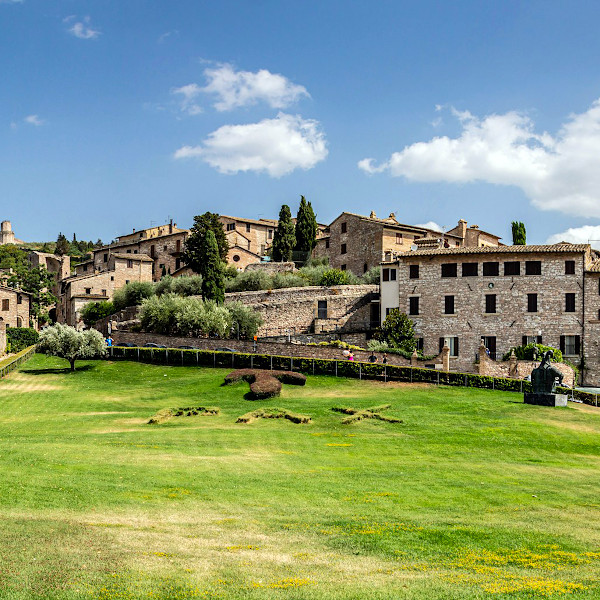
{"x":193,"y":249}
{"x":68,"y":343}
{"x":306,"y":227}
{"x":211,"y":269}
{"x":519,"y":234}
{"x":397,"y":331}
{"x":37,"y":282}
{"x":62,"y":245}
{"x":94,"y":311}
{"x":284,"y":239}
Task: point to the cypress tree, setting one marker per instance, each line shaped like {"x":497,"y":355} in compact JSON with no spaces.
{"x":284,"y":239}
{"x":62,"y":245}
{"x":306,"y":227}
{"x":519,"y":234}
{"x":193,"y":252}
{"x":213,"y":281}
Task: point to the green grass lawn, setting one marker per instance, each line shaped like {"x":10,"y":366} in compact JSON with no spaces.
{"x":474,"y":495}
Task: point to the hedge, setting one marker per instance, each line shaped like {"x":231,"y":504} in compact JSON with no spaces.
{"x":341,"y":368}
{"x":20,"y":338}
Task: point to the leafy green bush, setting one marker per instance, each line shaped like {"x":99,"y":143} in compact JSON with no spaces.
{"x":94,"y":311}
{"x":132,"y":294}
{"x":371,"y":277}
{"x":288,"y":280}
{"x":526,"y":352}
{"x":20,"y":338}
{"x":333,"y":277}
{"x":397,"y":331}
{"x":244,"y":320}
{"x":337,"y":344}
{"x":249,"y":281}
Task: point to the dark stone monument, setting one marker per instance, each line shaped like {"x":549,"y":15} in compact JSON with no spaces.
{"x":543,"y":383}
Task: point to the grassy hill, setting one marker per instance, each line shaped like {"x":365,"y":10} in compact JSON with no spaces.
{"x":473,"y":495}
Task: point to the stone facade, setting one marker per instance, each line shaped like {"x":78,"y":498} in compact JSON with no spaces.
{"x":506,"y":295}
{"x":59,"y":266}
{"x":164,"y":245}
{"x":358,"y":243}
{"x":312,"y":309}
{"x":241,"y":258}
{"x":14,"y":307}
{"x":272,"y":268}
{"x":91,"y":284}
{"x":7,"y":235}
{"x":255,"y":236}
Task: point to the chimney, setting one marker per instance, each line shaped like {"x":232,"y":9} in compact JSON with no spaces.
{"x":462,"y":228}
{"x":372,"y":215}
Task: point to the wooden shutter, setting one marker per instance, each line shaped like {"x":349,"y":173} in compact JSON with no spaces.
{"x":562,"y":344}
{"x":524,"y":340}
{"x":456,"y":346}
{"x":577,"y":344}
{"x":539,"y":339}
{"x":441,"y":343}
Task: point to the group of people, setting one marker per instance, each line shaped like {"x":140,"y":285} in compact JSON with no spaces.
{"x":373,"y":358}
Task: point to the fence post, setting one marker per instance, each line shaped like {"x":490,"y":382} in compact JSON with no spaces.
{"x":271,"y":362}
{"x":336,"y":368}
{"x":313,"y":365}
{"x":291,"y":363}
{"x":493,"y":383}
{"x":197,"y":359}
{"x":166,"y":355}
{"x":438,"y":378}
{"x":385,"y":373}
{"x":138,"y":353}
{"x":411,"y":372}
{"x":521,"y":386}
{"x":232,"y":357}
{"x":214,"y":359}
{"x":359,"y":371}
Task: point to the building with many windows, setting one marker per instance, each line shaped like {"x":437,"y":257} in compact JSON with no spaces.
{"x":506,"y":296}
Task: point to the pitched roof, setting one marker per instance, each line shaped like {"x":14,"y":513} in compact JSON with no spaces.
{"x":552,"y":248}
{"x":140,"y":257}
{"x":265,"y":222}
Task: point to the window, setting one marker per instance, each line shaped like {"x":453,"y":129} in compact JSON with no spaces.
{"x":569,"y":267}
{"x":105,"y":257}
{"x":388,"y":311}
{"x":230,"y":226}
{"x":532,"y":339}
{"x":365,"y":268}
{"x":327,"y":243}
{"x":413,"y":305}
{"x":490,"y":303}
{"x":489,"y":341}
{"x":343,"y":249}
{"x":236,"y":258}
{"x":385,"y":274}
{"x":413,"y":271}
{"x":19,"y":299}
{"x":420,"y":344}
{"x":104,"y":292}
{"x":177,"y":263}
{"x":470,"y":269}
{"x":247,"y":227}
{"x":344,"y":228}
{"x":532,"y":305}
{"x":490,"y":269}
{"x":5,"y":304}
{"x":126,"y":281}
{"x":449,"y":270}
{"x":322,"y":309}
{"x":392,"y":274}
{"x":452,"y":343}
{"x":398,"y":238}
{"x":112,"y":277}
{"x":135,"y":251}
{"x":88,"y":291}
{"x":569,"y":302}
{"x":533,"y":267}
{"x":178,"y":246}
{"x":152,"y":251}
{"x":130,"y":264}
{"x":570,"y":345}
{"x":129,"y":251}
{"x":249,"y":243}
{"x":270,"y":234}
{"x":342,"y":267}
{"x":165,"y":248}
{"x":512,"y":268}
{"x":19,"y":322}
{"x":85,"y":268}
{"x":449,"y":305}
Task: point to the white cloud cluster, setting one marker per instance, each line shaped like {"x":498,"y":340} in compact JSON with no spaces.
{"x":189,"y":94}
{"x":11,"y":1}
{"x":578,"y":235}
{"x":560,"y":172}
{"x":431,"y":225}
{"x":236,"y":89}
{"x":81,"y":29}
{"x":276,"y":146}
{"x":33,"y":120}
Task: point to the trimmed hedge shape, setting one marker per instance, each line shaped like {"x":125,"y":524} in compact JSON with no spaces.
{"x":189,"y":411}
{"x":265,"y":384}
{"x":357,"y":414}
{"x":273,"y":413}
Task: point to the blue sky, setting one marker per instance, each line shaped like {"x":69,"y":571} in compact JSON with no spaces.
{"x":115,"y":115}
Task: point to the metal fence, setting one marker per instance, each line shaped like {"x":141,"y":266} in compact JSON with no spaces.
{"x":18,"y":360}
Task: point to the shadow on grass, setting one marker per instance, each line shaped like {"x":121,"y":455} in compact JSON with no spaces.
{"x":57,"y":371}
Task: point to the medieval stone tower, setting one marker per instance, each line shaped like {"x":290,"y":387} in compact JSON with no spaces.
{"x":7,"y":235}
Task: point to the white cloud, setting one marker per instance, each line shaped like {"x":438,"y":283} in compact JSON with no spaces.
{"x":189,"y":93}
{"x":33,"y":120}
{"x":11,"y":1}
{"x":431,"y":225}
{"x":277,"y":146}
{"x":165,"y":36}
{"x":578,"y":235}
{"x":560,"y":172}
{"x":82,"y":29}
{"x":235,"y":89}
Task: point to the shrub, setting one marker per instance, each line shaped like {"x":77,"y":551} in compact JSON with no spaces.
{"x":288,"y":280}
{"x":526,"y":352}
{"x":132,"y":294}
{"x":337,"y":277}
{"x":290,"y":377}
{"x":264,"y":386}
{"x":94,"y":311}
{"x":20,"y":338}
{"x":249,"y":281}
{"x":273,"y":413}
{"x":371,"y":277}
{"x":397,"y":331}
{"x":244,"y":320}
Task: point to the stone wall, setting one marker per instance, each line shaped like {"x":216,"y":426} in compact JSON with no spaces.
{"x":276,"y":349}
{"x":296,"y":309}
{"x":14,"y":308}
{"x":271,"y":268}
{"x":2,"y":337}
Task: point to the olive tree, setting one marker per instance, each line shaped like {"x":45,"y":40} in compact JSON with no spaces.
{"x":69,"y":343}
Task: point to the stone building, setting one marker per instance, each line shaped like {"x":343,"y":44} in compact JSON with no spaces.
{"x":249,"y":239}
{"x":162,"y":244}
{"x":506,"y":295}
{"x":7,"y":235}
{"x":15,"y":307}
{"x":358,"y":243}
{"x":94,"y":283}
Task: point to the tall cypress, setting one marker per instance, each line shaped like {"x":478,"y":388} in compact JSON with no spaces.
{"x":519,"y":234}
{"x":306,"y":227}
{"x":193,"y":251}
{"x":211,"y":269}
{"x":284,"y":239}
